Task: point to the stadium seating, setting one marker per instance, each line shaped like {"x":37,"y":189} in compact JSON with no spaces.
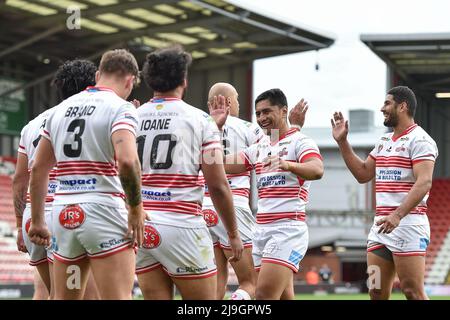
{"x":14,"y":267}
{"x":438,"y":255}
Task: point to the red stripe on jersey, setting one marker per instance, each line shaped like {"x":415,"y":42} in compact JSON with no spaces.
{"x":184,"y":207}
{"x":387,"y":210}
{"x":209,"y":143}
{"x":119,"y":123}
{"x":114,"y":194}
{"x":263,"y":218}
{"x":46,"y":132}
{"x":172,"y":181}
{"x":243,"y":192}
{"x":280,"y":262}
{"x":247,"y":163}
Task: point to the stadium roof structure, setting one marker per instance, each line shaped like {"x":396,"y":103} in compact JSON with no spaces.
{"x":38,"y":35}
{"x":421,"y":61}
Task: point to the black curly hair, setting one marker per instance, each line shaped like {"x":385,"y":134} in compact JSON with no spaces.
{"x":165,"y":69}
{"x":74,"y":76}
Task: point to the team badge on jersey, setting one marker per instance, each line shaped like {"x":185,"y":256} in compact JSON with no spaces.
{"x":152,"y":238}
{"x":71,"y":217}
{"x":380,"y":147}
{"x":211,"y":217}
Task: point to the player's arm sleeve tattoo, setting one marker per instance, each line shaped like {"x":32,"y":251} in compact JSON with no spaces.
{"x":130,"y":178}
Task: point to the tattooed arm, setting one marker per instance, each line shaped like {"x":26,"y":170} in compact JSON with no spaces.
{"x":20,"y":186}
{"x":124,"y":143}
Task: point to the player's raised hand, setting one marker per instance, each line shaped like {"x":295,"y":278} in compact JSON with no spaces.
{"x":136,"y":103}
{"x":219,"y":110}
{"x":340,"y":127}
{"x":39,"y":234}
{"x":297,"y":115}
{"x":236,"y":246}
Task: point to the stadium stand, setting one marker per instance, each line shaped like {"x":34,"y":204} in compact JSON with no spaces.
{"x":14,"y":266}
{"x":438,"y":257}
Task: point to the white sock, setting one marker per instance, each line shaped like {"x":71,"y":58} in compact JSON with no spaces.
{"x":240,"y":294}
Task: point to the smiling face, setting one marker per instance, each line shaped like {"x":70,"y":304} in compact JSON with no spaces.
{"x":270,"y":117}
{"x":390,"y":111}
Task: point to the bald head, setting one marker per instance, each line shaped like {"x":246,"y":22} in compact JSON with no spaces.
{"x":230,"y":94}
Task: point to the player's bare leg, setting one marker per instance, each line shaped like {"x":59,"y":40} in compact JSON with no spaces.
{"x":44,"y":273}
{"x":40,"y":290}
{"x":272,"y":281}
{"x":222,"y":272}
{"x":52,"y":281}
{"x":411,"y":273}
{"x":156,"y":285}
{"x":91,"y":292}
{"x":70,"y":279}
{"x":114,"y":275}
{"x":288,"y":293}
{"x":382,"y":271}
{"x":245,"y":271}
{"x":198,"y":289}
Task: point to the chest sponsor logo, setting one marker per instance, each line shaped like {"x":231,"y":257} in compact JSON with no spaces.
{"x":389,"y":175}
{"x":78,"y":184}
{"x":152,"y":238}
{"x":401,"y":148}
{"x":71,"y":217}
{"x":156,"y":195}
{"x":276,"y":180}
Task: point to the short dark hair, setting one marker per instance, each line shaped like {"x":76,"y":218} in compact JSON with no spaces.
{"x":275,"y":96}
{"x":73,"y":76}
{"x":165,"y":69}
{"x":119,"y":62}
{"x":405,"y":94}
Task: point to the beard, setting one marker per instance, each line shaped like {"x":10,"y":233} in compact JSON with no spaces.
{"x":392,"y":120}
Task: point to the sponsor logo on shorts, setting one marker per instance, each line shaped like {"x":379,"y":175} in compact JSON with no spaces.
{"x":295,"y":257}
{"x":211,"y":217}
{"x":54,"y":245}
{"x":156,"y":195}
{"x":71,"y":217}
{"x":112,"y":243}
{"x":188,"y":269}
{"x":424,"y":243}
{"x":399,"y":243}
{"x":152,"y":238}
{"x":27,"y":225}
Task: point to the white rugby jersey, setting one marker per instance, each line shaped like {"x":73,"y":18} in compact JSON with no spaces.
{"x":80,"y":130}
{"x":394,"y":177}
{"x":236,"y":136}
{"x":29,"y":139}
{"x":172,"y":136}
{"x":282,"y":195}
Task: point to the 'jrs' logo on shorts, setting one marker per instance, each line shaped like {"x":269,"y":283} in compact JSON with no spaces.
{"x":152,"y":238}
{"x":71,"y":217}
{"x":28,"y":225}
{"x":211,"y":217}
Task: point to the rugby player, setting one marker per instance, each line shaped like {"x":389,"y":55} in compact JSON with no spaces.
{"x":176,"y":140}
{"x":237,"y":135}
{"x":90,"y":137}
{"x":285,"y":162}
{"x":71,"y":78}
{"x":402,"y":164}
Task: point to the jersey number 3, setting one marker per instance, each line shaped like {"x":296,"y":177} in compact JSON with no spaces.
{"x":69,"y":149}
